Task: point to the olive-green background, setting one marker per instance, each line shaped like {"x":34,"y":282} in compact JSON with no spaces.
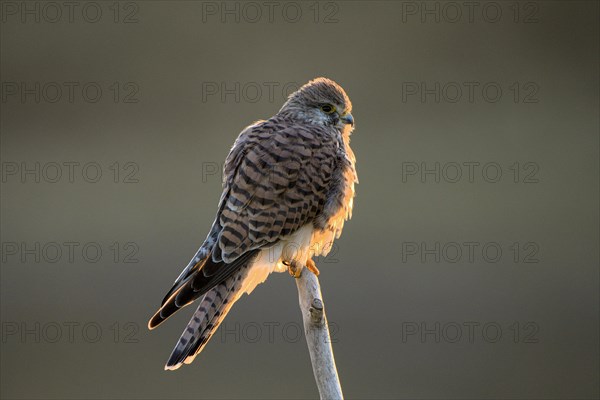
{"x":372,"y":288}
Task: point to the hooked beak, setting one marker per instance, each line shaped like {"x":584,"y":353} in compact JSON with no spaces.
{"x":348,"y":119}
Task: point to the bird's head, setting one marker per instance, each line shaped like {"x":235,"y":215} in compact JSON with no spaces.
{"x":321,"y":101}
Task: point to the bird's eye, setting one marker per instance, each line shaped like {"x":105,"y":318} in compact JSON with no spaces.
{"x":328,"y":108}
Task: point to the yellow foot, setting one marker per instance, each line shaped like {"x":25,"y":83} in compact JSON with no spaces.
{"x":294,"y":268}
{"x":310,"y":264}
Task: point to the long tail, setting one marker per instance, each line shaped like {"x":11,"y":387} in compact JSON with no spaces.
{"x":198,"y":278}
{"x":213,"y":308}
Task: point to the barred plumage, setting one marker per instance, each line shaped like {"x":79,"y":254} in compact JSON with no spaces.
{"x":288,"y":182}
{"x":279,"y":184}
{"x":212,"y":309}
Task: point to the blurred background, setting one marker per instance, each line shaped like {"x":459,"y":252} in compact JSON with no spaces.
{"x":469,"y":269}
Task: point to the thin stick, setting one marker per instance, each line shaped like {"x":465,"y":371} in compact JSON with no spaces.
{"x":317,"y":336}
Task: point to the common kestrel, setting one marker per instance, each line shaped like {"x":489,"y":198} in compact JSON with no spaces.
{"x":288,"y":187}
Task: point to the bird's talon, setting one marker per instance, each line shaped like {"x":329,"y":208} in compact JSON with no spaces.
{"x":310,"y":264}
{"x":293,"y":269}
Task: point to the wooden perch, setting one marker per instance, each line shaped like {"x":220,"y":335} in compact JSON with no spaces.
{"x":317,"y":336}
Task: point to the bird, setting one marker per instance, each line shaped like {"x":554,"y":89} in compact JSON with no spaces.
{"x":288,"y":187}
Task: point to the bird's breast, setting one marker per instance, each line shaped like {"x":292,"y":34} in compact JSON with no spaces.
{"x":339,"y":206}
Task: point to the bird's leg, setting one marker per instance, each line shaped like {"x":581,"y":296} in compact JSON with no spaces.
{"x":312,"y":267}
{"x":294,"y":268}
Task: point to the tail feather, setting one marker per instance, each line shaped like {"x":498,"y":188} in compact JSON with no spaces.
{"x":201,"y":277}
{"x":206,"y":319}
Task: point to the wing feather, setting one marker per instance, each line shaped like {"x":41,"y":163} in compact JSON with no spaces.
{"x":278,"y":184}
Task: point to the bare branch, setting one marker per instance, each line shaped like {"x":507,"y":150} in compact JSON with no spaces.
{"x":317,"y":336}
